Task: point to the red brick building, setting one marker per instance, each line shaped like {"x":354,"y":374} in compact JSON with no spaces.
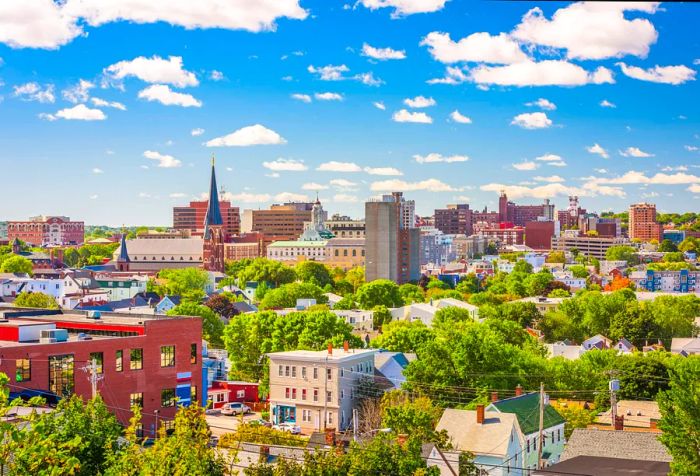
{"x":192,"y":217}
{"x":505,"y":234}
{"x":454,"y":220}
{"x":538,"y":234}
{"x":47,"y":231}
{"x":155,"y":362}
{"x":643,"y":224}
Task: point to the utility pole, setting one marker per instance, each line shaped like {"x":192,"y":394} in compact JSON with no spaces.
{"x":325,"y":391}
{"x":614,"y":386}
{"x":541,"y":434}
{"x":354,"y":424}
{"x":94,"y":376}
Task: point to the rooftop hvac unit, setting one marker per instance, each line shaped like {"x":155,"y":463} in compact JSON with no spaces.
{"x":49,"y":336}
{"x":94,"y":315}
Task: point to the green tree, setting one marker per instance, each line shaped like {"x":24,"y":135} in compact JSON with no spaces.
{"x":578,"y":271}
{"x":270,"y":271}
{"x":642,"y":377}
{"x":524,"y":313}
{"x":411,"y":293}
{"x":559,"y":293}
{"x":674,"y":257}
{"x":417,"y":417}
{"x":286,"y":295}
{"x":348,"y":302}
{"x":380,"y":316}
{"x":575,"y":416}
{"x":437,"y":284}
{"x":689,"y":244}
{"x":522,"y":266}
{"x":16,"y":264}
{"x":356,"y":277}
{"x":212,"y":326}
{"x":35,"y":299}
{"x":556,"y":257}
{"x":667,"y":246}
{"x":403,"y":336}
{"x":382,"y":455}
{"x":680,"y":414}
{"x":469,"y":284}
{"x":537,"y":283}
{"x":313,"y":272}
{"x":188,"y":283}
{"x":379,"y":292}
{"x":622,"y":253}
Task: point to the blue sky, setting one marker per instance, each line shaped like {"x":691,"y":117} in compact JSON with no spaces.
{"x":595,"y":100}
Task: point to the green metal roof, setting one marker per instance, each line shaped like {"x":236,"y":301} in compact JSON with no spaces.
{"x":526,"y":408}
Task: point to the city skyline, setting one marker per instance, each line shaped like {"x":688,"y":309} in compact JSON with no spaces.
{"x":111,"y":116}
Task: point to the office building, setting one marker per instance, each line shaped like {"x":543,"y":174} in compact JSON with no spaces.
{"x":539,"y":234}
{"x":47,"y":231}
{"x":436,"y":247}
{"x":454,"y":220}
{"x":283,"y":222}
{"x":345,"y":227}
{"x":392,"y":249}
{"x":593,"y":246}
{"x":643,"y":224}
{"x":466,"y":247}
{"x":509,"y":212}
{"x":191,"y":218}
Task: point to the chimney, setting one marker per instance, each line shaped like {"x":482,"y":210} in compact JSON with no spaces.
{"x":401,"y":439}
{"x":653,"y":424}
{"x":264,"y":452}
{"x":619,"y":423}
{"x":346,"y":346}
{"x":480,"y":414}
{"x":330,"y":349}
{"x":494,"y":396}
{"x":518,"y":390}
{"x":330,"y":436}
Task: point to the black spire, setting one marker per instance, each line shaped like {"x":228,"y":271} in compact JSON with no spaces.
{"x":213,"y":216}
{"x":123,"y":252}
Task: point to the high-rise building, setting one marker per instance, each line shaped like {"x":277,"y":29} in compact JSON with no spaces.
{"x":643,"y":224}
{"x":509,"y":212}
{"x":47,"y":231}
{"x":392,"y":242}
{"x":454,"y":220}
{"x":282,"y":222}
{"x":192,"y":216}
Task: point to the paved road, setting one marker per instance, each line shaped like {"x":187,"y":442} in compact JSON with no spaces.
{"x":220,"y":424}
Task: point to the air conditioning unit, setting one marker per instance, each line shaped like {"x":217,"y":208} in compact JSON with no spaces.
{"x":94,"y":315}
{"x":50,"y":336}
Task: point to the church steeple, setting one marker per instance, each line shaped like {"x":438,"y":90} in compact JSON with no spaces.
{"x":213,"y":216}
{"x":123,"y":260}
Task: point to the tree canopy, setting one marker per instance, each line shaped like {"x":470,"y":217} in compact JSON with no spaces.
{"x":35,"y":299}
{"x":16,"y":264}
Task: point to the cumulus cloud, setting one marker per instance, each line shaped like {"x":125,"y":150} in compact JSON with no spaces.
{"x":337,"y":73}
{"x":247,"y":197}
{"x":78,"y":93}
{"x":540,"y":73}
{"x":694,"y":188}
{"x":453,"y":75}
{"x":291,"y":197}
{"x":458,"y":117}
{"x":345,"y":198}
{"x":634,"y":152}
{"x":76,"y":113}
{"x":532,"y":120}
{"x":197,"y":132}
{"x":406,"y":116}
{"x":314,"y":187}
{"x":553,"y":189}
{"x":113,"y":104}
{"x":164,"y":161}
{"x":551,"y":159}
{"x":477,"y":47}
{"x":549,"y":179}
{"x":334,"y":166}
{"x":49,"y":24}
{"x":177,"y":195}
{"x":634,"y":177}
{"x":571,"y":29}
{"x":679,"y":168}
{"x":419,"y":102}
{"x":606,"y":103}
{"x":406,"y":7}
{"x":543,"y":103}
{"x":163,"y":94}
{"x":247,"y":136}
{"x":154,"y":70}
{"x":97,"y":171}
{"x":216,"y":76}
{"x":301,"y":97}
{"x":328,"y":96}
{"x":343,"y":184}
{"x":691,"y":148}
{"x":659,"y":74}
{"x":286,"y":165}
{"x":436,"y":158}
{"x":382,"y":54}
{"x":598,"y":150}
{"x":527,"y":165}
{"x":35,"y":92}
{"x":389,"y":171}
{"x":379,"y":105}
{"x":430,"y":185}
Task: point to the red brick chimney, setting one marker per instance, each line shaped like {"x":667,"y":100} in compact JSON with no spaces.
{"x":518,"y":390}
{"x":330,"y":349}
{"x":480,"y":414}
{"x":330,"y":436}
{"x":401,"y":438}
{"x":620,"y":423}
{"x":346,"y":346}
{"x":494,"y":396}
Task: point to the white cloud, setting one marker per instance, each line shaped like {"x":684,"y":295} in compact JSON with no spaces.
{"x":635,"y":152}
{"x":328,"y":96}
{"x":164,"y":161}
{"x":216,"y":76}
{"x":543,"y":103}
{"x":435,"y":158}
{"x":597,"y":149}
{"x":419,"y":102}
{"x":291,"y":197}
{"x":406,"y":7}
{"x":601,"y":171}
{"x":345,"y":198}
{"x":76,"y":113}
{"x":314,"y":187}
{"x":430,"y":185}
{"x":659,"y":74}
{"x":36,"y":24}
{"x":34,"y":92}
{"x":287,"y":78}
{"x":368,"y":79}
{"x":549,"y":158}
{"x":251,"y":135}
{"x":540,"y":73}
{"x":382,"y":53}
{"x":301,"y":97}
{"x":591,"y":30}
{"x":97,"y":171}
{"x":453,"y":75}
{"x":457,"y":116}
{"x":527,"y":165}
{"x":197,"y":132}
{"x":389,"y":171}
{"x":379,"y":105}
{"x":166,"y":96}
{"x":694,"y":188}
{"x":270,"y":175}
{"x":634,"y":177}
{"x":532,"y":120}
{"x":477,"y":47}
{"x":550,"y":179}
{"x":691,"y":148}
{"x":329,"y":72}
{"x":679,"y":168}
{"x":102,"y":103}
{"x":334,"y":166}
{"x":177,"y":195}
{"x":606,"y":103}
{"x":154,"y":70}
{"x":287,"y":165}
{"x":344,"y":184}
{"x":78,"y":93}
{"x":405,"y":116}
{"x":247,"y":197}
{"x":94,"y":197}
{"x":552,"y":189}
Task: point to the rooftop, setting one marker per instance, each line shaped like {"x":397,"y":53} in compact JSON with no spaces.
{"x":490,"y":438}
{"x":600,"y":466}
{"x":525,"y":407}
{"x":338,"y":355}
{"x":615,"y":444}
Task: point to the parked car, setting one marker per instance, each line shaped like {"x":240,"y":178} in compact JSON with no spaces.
{"x":261,"y":422}
{"x":234,"y":408}
{"x":289,"y":427}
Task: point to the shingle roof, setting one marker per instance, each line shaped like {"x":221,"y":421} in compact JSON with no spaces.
{"x":526,"y":408}
{"x":615,"y":444}
{"x":598,"y":466}
{"x":490,"y":438}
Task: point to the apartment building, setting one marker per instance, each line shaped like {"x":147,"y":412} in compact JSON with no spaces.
{"x":643,"y":224}
{"x":191,"y":217}
{"x":317,"y":389}
{"x":454,"y":220}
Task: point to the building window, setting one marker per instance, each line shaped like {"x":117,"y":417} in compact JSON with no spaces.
{"x":280,"y":372}
{"x":342,"y":372}
{"x":329,"y":418}
{"x":329,"y":374}
{"x":136,"y":399}
{"x":315,"y":373}
{"x":193,"y":394}
{"x":167,"y":356}
{"x":294,"y":372}
{"x":286,"y":371}
{"x":286,"y":392}
{"x":193,"y":353}
{"x":315,"y":395}
{"x":342,"y":393}
{"x":294,"y":394}
{"x":167,"y":397}
{"x":240,"y":393}
{"x":303,"y":394}
{"x":24,"y":370}
{"x":98,"y":358}
{"x":303,"y":372}
{"x":136,"y":359}
{"x":119,"y":360}
{"x":61,"y":376}
{"x":329,"y":396}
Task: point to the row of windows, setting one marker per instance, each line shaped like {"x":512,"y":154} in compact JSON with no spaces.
{"x":556,"y":438}
{"x":291,"y":370}
{"x":162,"y":258}
{"x":168,"y":397}
{"x":291,"y":394}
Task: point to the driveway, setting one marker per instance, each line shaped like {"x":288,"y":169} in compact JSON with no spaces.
{"x":220,"y":424}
